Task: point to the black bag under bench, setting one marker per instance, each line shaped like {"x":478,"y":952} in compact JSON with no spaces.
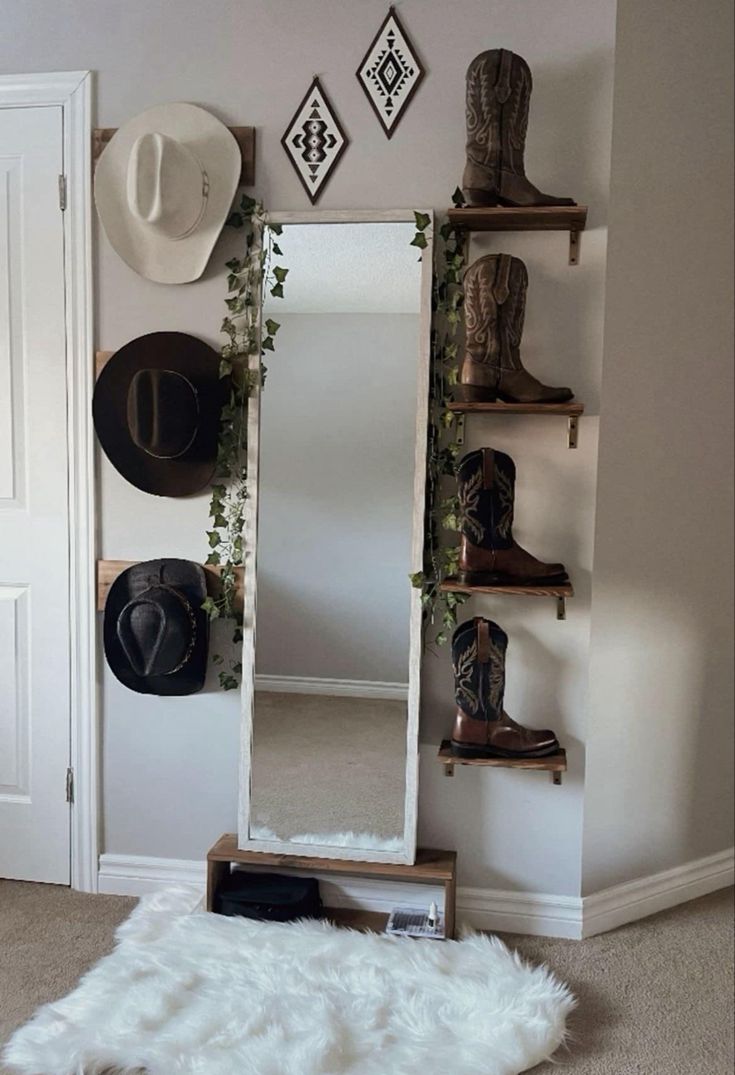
{"x":270,"y":897}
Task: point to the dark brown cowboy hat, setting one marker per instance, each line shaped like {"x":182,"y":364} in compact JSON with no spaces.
{"x":156,"y":410}
{"x":155,"y":633}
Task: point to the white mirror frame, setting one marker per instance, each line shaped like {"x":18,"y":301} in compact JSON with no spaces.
{"x":286,"y":847}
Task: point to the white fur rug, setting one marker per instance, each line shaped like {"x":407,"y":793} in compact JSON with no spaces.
{"x":198,"y":994}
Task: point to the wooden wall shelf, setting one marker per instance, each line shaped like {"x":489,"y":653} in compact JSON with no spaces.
{"x":571,"y":218}
{"x":108,"y":570}
{"x":431,"y":868}
{"x":556,"y":764}
{"x":244,"y":136}
{"x":560,"y":592}
{"x":571,"y":410}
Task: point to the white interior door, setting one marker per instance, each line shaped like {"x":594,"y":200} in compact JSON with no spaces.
{"x":34,"y":516}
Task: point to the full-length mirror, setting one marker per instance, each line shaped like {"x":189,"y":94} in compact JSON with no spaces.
{"x":336,"y":464}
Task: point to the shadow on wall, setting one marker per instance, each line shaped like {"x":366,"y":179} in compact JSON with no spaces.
{"x":665,"y":665}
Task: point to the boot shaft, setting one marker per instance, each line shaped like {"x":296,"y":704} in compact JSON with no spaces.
{"x":499,"y":87}
{"x":495,"y":289}
{"x":478,"y":660}
{"x":486,"y":492}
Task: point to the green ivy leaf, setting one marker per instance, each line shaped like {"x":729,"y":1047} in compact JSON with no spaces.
{"x":276,"y":249}
{"x":235,"y":220}
{"x":458,"y":198}
{"x":277,"y":229}
{"x":228,"y":682}
{"x":209,"y":606}
{"x":419,"y":240}
{"x":277,"y":291}
{"x":280,"y":274}
{"x":422,"y":220}
{"x":213,"y":558}
{"x":418,"y":578}
{"x":214,"y":538}
{"x":271,"y":326}
{"x":267,"y":344}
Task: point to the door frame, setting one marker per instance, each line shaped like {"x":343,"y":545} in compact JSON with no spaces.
{"x":72,"y":92}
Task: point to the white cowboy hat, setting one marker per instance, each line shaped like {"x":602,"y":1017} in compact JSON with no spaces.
{"x":163,"y":188}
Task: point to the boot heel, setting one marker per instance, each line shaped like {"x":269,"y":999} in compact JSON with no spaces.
{"x":468,"y":393}
{"x":481,"y":199}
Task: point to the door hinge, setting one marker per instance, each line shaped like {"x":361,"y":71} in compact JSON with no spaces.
{"x":62,"y":192}
{"x":70,"y":785}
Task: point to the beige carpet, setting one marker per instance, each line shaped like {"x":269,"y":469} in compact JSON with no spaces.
{"x":329,"y":765}
{"x":655,"y":997}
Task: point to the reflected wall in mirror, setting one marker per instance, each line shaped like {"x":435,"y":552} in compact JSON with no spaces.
{"x":336,"y":475}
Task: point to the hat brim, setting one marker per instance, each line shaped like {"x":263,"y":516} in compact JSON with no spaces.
{"x":182,"y":575}
{"x":196,"y":361}
{"x":141,"y":246}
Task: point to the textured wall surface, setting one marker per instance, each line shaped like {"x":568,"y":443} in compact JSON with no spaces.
{"x":170,"y":766}
{"x":659,"y":760}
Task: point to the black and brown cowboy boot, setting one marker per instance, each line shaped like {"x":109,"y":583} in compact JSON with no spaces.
{"x":498,"y":95}
{"x":482,"y":728}
{"x":488,"y":554}
{"x":495,"y":305}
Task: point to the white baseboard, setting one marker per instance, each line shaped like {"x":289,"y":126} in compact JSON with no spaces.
{"x":337,"y":688}
{"x":139,"y":875}
{"x":535,"y":914}
{"x":615,"y":906}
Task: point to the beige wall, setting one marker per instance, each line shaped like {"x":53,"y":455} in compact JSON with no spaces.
{"x":658,"y":789}
{"x":170,"y":765}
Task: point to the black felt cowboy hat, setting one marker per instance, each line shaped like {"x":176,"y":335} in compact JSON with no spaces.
{"x":156,"y":410}
{"x":155,"y":632}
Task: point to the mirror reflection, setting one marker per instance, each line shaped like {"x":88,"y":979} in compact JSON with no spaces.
{"x":335,"y":521}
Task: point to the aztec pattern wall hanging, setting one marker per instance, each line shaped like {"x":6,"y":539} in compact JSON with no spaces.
{"x":390,"y":73}
{"x":314,"y":141}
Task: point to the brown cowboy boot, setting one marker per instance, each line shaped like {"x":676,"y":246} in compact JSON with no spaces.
{"x":488,"y":554}
{"x":482,"y":728}
{"x":495,"y":304}
{"x":498,"y":94}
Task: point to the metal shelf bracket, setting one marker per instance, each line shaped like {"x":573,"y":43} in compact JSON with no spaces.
{"x":572,"y":431}
{"x":573,"y":247}
{"x":556,"y":779}
{"x":561,"y":608}
{"x":459,"y":429}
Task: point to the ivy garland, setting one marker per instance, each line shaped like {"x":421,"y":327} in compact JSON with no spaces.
{"x":248,"y":278}
{"x":442,"y":511}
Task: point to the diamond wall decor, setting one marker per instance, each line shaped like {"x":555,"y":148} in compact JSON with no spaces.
{"x":314,"y":140}
{"x":390,"y":73}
